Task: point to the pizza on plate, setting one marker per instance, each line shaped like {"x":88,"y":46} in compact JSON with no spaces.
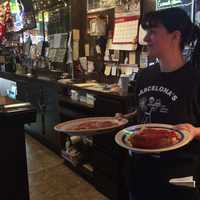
{"x":150,"y":138}
{"x":93,"y":125}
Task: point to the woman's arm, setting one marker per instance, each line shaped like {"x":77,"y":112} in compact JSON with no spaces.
{"x":132,"y":115}
{"x":194,"y":131}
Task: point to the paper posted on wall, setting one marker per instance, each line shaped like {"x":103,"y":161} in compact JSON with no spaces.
{"x":84,"y":63}
{"x":142,"y":34}
{"x":107,"y":70}
{"x":125,"y":33}
{"x":69,"y":48}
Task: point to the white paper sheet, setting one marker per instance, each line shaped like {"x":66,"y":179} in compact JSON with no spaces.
{"x":87,"y":50}
{"x":114,"y":70}
{"x":126,"y":29}
{"x":142,"y":34}
{"x":57,"y":40}
{"x":107,"y":70}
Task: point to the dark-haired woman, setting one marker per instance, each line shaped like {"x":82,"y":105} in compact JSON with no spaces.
{"x":169,"y":92}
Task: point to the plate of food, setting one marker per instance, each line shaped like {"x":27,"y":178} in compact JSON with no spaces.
{"x":90,"y":126}
{"x":152,"y":138}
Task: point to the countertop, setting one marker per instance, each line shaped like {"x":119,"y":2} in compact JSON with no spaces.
{"x":72,"y":84}
{"x":22,"y":113}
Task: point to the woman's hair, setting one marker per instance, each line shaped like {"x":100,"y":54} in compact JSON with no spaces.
{"x":176,"y":19}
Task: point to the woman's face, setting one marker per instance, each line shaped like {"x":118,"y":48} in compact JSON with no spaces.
{"x":159,"y":41}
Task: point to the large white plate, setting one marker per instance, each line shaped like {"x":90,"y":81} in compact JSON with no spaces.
{"x":66,"y":126}
{"x":122,"y":137}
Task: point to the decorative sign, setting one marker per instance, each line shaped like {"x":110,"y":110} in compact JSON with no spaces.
{"x":5,"y":16}
{"x":2,"y":31}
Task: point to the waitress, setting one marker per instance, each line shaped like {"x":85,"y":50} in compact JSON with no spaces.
{"x":168,"y":92}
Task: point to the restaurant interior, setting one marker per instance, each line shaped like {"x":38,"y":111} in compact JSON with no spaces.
{"x":64,"y":60}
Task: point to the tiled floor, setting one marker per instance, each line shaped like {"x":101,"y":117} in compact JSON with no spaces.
{"x":50,"y":179}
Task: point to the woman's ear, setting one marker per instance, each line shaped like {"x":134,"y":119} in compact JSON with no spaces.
{"x":176,"y":36}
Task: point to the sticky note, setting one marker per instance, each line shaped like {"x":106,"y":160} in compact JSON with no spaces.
{"x":76,"y":34}
{"x":114,"y":70}
{"x":132,"y":57}
{"x":107,"y":70}
{"x":87,"y":50}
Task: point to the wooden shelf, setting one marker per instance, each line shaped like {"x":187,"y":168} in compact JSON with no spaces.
{"x":88,"y":167}
{"x":66,"y":157}
{"x":95,"y":10}
{"x":84,"y":168}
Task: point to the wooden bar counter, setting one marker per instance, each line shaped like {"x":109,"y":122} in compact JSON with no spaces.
{"x":13,"y":167}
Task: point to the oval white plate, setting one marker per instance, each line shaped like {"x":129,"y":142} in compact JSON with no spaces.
{"x":121,"y":137}
{"x":66,"y":126}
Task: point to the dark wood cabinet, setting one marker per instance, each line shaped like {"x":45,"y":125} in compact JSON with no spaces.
{"x":109,"y":106}
{"x":105,"y":158}
{"x":32,"y":92}
{"x":44,"y":97}
{"x":101,"y":159}
{"x":13,"y":169}
{"x":108,"y":162}
{"x":52,"y":116}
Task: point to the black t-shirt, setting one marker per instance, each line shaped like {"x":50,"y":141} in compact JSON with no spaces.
{"x":168,"y":97}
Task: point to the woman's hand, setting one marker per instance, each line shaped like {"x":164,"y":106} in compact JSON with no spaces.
{"x":194,"y":131}
{"x":131,"y":115}
{"x":119,"y":116}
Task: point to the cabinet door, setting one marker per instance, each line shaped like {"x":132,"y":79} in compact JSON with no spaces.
{"x":33,"y":94}
{"x":51,"y":116}
{"x":22,"y":90}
